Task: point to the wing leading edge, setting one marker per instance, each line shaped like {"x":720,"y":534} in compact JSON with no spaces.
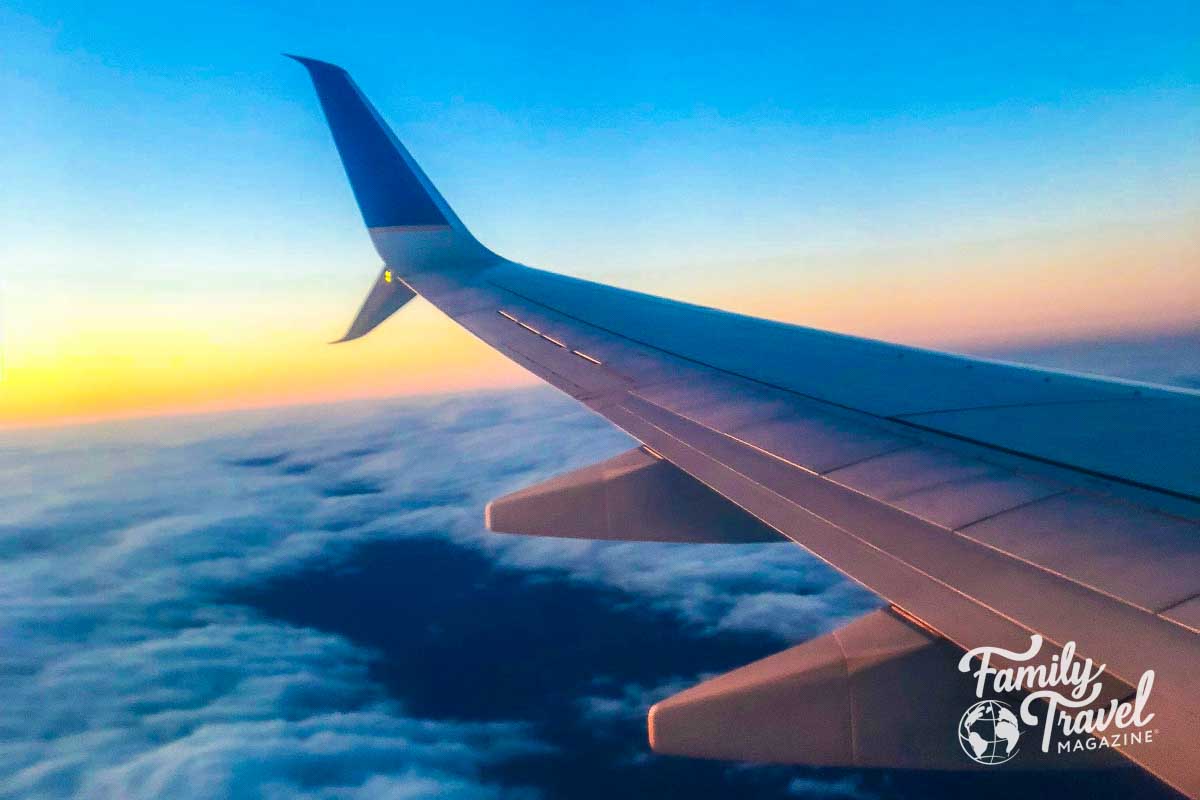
{"x":984,"y":501}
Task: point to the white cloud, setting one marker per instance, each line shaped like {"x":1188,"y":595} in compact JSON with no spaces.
{"x":121,"y":677}
{"x":848,"y":788}
{"x":632,"y":701}
{"x":123,"y":673}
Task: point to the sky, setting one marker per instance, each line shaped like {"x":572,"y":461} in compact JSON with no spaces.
{"x":176,"y":233}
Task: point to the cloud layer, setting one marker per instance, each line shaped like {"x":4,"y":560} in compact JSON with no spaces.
{"x":126,"y":670}
{"x":130,"y":667}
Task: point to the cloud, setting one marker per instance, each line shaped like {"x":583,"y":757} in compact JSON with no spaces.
{"x":848,"y":788}
{"x":127,"y":670}
{"x":632,"y":701}
{"x":333,"y":755}
{"x":776,"y":589}
{"x":225,"y":709}
{"x":122,"y":672}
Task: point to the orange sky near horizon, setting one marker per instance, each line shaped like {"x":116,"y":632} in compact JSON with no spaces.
{"x":73,"y":357}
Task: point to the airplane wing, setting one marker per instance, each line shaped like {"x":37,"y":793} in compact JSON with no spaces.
{"x":986,"y":502}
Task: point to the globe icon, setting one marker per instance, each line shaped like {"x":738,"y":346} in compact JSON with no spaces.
{"x":988,"y":732}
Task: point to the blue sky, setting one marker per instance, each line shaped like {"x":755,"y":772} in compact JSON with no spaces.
{"x":784,"y":160}
{"x":549,"y":126}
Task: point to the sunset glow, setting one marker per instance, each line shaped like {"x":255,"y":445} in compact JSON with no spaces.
{"x":70,"y":361}
{"x":177,"y":234}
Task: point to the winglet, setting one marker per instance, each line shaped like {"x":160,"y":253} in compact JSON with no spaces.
{"x":390,"y":188}
{"x":411,"y":225}
{"x":387,"y":296}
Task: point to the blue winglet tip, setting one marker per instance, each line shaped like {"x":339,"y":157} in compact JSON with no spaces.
{"x":313,"y":64}
{"x":388,"y":190}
